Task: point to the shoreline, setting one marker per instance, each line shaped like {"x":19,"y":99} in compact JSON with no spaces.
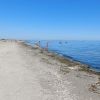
{"x":52,"y":76}
{"x":85,"y":67}
{"x":75,"y":66}
{"x":92,"y":66}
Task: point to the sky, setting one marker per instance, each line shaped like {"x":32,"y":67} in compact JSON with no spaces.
{"x":50,"y":19}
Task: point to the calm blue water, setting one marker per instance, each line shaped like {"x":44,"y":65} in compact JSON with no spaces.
{"x":87,"y":52}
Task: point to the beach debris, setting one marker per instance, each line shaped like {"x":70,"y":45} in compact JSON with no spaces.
{"x":64,"y":69}
{"x":95,"y":87}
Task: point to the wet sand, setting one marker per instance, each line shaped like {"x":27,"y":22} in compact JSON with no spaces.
{"x":28,"y":73}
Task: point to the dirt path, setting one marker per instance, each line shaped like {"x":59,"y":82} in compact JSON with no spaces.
{"x":24,"y":77}
{"x":29,"y":74}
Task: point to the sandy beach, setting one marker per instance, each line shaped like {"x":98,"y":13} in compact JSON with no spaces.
{"x":28,"y":73}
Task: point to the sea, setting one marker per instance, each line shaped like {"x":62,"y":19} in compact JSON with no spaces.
{"x":86,"y":52}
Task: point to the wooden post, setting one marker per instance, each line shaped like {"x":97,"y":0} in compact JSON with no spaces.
{"x":47,"y":46}
{"x":39,"y":43}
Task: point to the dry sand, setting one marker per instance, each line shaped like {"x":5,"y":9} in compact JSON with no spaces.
{"x":28,"y":73}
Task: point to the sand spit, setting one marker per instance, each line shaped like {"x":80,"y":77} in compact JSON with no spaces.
{"x":28,"y":73}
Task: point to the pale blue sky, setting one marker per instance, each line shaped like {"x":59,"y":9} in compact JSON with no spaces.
{"x":50,"y":19}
